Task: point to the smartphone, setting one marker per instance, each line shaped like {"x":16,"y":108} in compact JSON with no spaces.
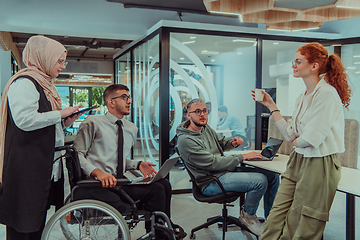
{"x":82,"y":111}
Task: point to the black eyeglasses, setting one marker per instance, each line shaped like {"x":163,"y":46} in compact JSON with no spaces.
{"x":199,"y":112}
{"x":124,"y":97}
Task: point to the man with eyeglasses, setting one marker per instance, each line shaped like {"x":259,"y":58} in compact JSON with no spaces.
{"x":202,"y":150}
{"x":97,"y":144}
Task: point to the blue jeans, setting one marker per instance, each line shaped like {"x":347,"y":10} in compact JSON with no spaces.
{"x":255,"y":182}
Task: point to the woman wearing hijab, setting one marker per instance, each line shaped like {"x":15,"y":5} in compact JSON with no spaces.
{"x":31,"y":122}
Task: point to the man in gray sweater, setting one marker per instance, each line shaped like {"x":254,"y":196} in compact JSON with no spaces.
{"x":202,"y":150}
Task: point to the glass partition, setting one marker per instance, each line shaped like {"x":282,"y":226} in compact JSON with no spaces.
{"x":145,"y":97}
{"x":123,"y":70}
{"x":350,"y":56}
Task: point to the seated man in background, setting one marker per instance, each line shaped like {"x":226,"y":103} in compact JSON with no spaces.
{"x":97,"y":144}
{"x":202,"y":151}
{"x":230,"y":121}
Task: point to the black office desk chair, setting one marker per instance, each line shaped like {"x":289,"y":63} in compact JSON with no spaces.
{"x":224,"y":198}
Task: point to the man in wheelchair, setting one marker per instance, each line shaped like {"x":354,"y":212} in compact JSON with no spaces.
{"x":98,"y":141}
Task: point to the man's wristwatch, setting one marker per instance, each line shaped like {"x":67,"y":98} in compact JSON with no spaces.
{"x":138,"y":165}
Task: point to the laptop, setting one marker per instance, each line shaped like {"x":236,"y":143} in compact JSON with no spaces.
{"x":163,"y":171}
{"x":270,"y":150}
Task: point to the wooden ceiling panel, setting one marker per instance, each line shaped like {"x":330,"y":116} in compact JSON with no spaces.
{"x":269,"y":17}
{"x":296,"y":18}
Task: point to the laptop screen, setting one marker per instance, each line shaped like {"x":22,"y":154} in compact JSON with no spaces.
{"x":271,"y":147}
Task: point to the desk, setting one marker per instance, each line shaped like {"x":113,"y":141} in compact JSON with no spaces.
{"x":225,"y":132}
{"x":349,"y":184}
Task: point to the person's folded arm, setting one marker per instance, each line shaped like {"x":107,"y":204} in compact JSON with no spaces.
{"x":326,"y":109}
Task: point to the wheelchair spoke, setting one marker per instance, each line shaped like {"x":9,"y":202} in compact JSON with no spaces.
{"x":87,"y":223}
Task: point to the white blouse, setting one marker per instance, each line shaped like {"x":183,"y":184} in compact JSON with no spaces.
{"x":318,"y":122}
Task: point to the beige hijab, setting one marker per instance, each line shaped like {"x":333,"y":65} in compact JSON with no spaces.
{"x":40,"y":56}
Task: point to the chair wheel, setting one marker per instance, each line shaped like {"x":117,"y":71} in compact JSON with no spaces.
{"x":192,"y":236}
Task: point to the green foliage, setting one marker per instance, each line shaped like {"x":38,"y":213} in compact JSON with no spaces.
{"x":80,"y":96}
{"x":97,"y":96}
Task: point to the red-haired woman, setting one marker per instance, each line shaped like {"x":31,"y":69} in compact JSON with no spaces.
{"x":316,"y":129}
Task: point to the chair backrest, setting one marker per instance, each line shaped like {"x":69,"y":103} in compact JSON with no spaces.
{"x":73,"y":166}
{"x":273,"y":131}
{"x":349,"y":157}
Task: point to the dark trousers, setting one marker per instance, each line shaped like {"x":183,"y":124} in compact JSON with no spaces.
{"x":56,"y":198}
{"x":12,"y":234}
{"x":155,"y":196}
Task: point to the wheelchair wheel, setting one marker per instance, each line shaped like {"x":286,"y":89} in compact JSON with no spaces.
{"x":86,"y":219}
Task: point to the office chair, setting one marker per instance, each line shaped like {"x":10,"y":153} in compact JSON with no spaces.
{"x":224,"y":198}
{"x":247,"y":141}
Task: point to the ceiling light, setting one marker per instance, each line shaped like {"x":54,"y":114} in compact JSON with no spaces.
{"x":356,"y":62}
{"x":239,"y":53}
{"x":357,"y":72}
{"x":188,"y":42}
{"x":305,"y":29}
{"x":275,"y":29}
{"x":192,"y":37}
{"x":275,"y":43}
{"x":349,"y":7}
{"x":351,"y":67}
{"x":226,"y":13}
{"x":336,"y":45}
{"x":182,"y":58}
{"x":213,"y":60}
{"x":243,"y":40}
{"x":356,"y":56}
{"x":150,"y":57}
{"x":209,"y":52}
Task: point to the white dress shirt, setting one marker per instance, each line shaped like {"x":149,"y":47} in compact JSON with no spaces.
{"x":23,"y":100}
{"x":97,"y":143}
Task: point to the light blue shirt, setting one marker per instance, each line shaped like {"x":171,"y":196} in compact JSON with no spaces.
{"x":233,"y":123}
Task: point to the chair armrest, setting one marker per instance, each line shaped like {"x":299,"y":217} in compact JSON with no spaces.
{"x":211,"y":177}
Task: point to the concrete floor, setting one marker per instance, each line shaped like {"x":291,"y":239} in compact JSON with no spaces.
{"x":189,"y":213}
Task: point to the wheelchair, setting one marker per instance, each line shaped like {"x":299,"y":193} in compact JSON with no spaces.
{"x":86,"y":216}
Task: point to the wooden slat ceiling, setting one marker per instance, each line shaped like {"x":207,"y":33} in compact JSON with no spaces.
{"x":287,"y":15}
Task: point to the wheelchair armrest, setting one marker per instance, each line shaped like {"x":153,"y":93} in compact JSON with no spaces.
{"x":122,"y":182}
{"x":97,"y":183}
{"x":89,"y":183}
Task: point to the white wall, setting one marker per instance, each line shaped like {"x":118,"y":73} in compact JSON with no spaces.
{"x":239,"y":80}
{"x":86,"y":66}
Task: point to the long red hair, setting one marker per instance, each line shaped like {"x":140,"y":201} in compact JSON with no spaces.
{"x":332,"y":68}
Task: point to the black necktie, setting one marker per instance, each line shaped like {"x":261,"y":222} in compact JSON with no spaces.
{"x":120,"y":150}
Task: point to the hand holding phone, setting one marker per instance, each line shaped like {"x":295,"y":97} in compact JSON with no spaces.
{"x":82,"y":111}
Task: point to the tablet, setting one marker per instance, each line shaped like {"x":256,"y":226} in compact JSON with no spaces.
{"x":82,"y":111}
